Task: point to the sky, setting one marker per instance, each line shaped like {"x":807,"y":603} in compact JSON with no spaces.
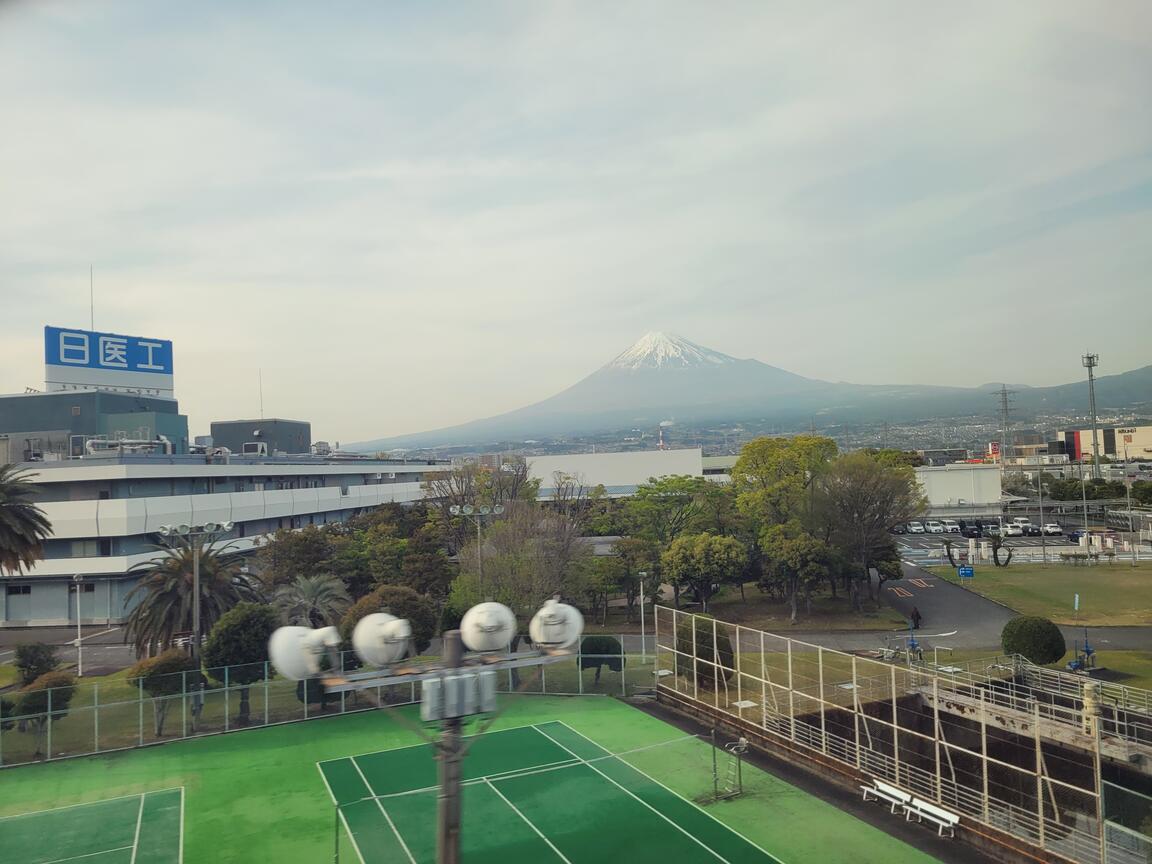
{"x":402,"y":216}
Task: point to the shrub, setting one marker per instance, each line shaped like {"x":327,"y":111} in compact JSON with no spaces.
{"x":52,"y":690}
{"x":163,"y":677}
{"x":599,"y":651}
{"x":1037,"y":639}
{"x":712,"y":658}
{"x":396,"y":600}
{"x":33,"y":660}
{"x":237,"y":649}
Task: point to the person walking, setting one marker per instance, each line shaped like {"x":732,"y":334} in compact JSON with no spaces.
{"x":916,"y":618}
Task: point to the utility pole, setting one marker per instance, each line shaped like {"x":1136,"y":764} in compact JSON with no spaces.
{"x":449,"y":754}
{"x":1090,"y":362}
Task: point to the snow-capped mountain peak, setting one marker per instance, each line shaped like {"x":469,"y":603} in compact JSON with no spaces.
{"x":664,"y":351}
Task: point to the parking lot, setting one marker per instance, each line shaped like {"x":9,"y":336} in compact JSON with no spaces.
{"x":959,"y":542}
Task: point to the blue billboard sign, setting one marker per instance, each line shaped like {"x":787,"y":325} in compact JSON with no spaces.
{"x":966,"y":572}
{"x":84,"y":359}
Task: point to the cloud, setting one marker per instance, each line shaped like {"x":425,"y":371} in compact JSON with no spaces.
{"x":413,"y":216}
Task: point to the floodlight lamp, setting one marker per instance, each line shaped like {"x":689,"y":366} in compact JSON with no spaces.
{"x":454,"y":509}
{"x":557,"y":625}
{"x":183,"y":530}
{"x":226,"y":526}
{"x":467,"y":509}
{"x":485,"y":509}
{"x":164,"y":530}
{"x":498,"y":509}
{"x":295,"y":652}
{"x":381,"y":639}
{"x":488,"y":627}
{"x":211,"y":527}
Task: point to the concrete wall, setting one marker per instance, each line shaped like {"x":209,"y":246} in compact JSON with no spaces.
{"x":615,"y":470}
{"x":961,"y":485}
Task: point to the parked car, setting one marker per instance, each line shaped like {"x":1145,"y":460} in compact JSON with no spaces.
{"x":1013,"y":529}
{"x":991,"y":530}
{"x":898,"y":529}
{"x":1052,"y":529}
{"x":973,"y":530}
{"x":934,"y":527}
{"x":1021,"y":520}
{"x":951,"y":526}
{"x":915,"y":527}
{"x":1031,"y":530}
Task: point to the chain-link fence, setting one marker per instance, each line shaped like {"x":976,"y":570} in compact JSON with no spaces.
{"x":117,"y":712}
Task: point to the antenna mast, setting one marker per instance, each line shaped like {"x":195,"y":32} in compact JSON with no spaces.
{"x":1090,"y":362}
{"x":260,"y":376}
{"x":91,"y":300}
{"x":1005,"y":421}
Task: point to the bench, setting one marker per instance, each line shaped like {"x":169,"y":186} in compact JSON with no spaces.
{"x":925,"y":810}
{"x":879,"y":790}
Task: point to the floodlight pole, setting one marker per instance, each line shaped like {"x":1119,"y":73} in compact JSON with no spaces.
{"x":449,"y":809}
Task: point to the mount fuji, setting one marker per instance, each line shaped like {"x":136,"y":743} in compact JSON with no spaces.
{"x":663,"y":376}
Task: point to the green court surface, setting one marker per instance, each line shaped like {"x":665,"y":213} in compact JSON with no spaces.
{"x":257,"y":796}
{"x":542,"y":793}
{"x":130,"y":829}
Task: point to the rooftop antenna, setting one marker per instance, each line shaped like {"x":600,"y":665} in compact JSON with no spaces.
{"x":1005,"y":421}
{"x":91,"y":300}
{"x":260,"y":377}
{"x":1090,"y":362}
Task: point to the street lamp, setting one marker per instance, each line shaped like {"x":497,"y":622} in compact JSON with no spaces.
{"x":477,"y":514}
{"x":77,"y":581}
{"x":196,"y":535}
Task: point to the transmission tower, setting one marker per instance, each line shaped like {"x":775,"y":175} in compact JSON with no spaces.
{"x":1091,"y":361}
{"x":1005,"y":421}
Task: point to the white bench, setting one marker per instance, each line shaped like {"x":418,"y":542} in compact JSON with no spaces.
{"x":879,"y":790}
{"x":926,"y":810}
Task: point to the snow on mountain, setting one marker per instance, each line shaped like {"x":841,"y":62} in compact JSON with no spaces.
{"x":664,"y":350}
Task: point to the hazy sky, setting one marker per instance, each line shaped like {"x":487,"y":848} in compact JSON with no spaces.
{"x":414,"y":214}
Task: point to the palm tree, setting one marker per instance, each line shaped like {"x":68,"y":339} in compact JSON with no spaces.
{"x":312,"y":601}
{"x":165,"y":595}
{"x":23,"y":525}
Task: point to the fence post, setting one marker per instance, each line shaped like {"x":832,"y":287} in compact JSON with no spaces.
{"x":183,"y":704}
{"x":227,"y":697}
{"x":266,"y":693}
{"x":579,"y":666}
{"x":140,"y":711}
{"x":49,"y":754}
{"x":96,"y":716}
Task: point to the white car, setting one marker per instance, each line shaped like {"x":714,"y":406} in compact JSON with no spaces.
{"x":934,"y":527}
{"x":951,"y":526}
{"x":1014,"y":529}
{"x":1052,"y":529}
{"x":915,"y":528}
{"x":1021,"y":520}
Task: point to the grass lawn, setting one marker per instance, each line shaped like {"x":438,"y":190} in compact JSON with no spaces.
{"x":1115,"y":594}
{"x":258,"y":796}
{"x":827,"y":613}
{"x":9,"y":675}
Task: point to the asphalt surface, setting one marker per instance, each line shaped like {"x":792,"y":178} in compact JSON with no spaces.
{"x":104,"y":648}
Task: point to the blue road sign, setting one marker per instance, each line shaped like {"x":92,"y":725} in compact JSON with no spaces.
{"x":966,"y":572}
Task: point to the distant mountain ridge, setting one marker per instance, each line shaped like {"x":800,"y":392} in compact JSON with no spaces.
{"x":663,"y":376}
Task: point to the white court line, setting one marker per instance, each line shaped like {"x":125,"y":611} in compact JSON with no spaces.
{"x":682,"y":830}
{"x":424,"y":744}
{"x":528,"y":822}
{"x":351,"y":836}
{"x":89,"y":854}
{"x":88,"y":803}
{"x":388,"y":818}
{"x":139,"y":822}
{"x":645,"y":774}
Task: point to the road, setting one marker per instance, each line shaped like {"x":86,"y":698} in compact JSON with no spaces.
{"x":104,"y":648}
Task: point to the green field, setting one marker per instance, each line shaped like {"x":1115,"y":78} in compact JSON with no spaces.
{"x":1115,"y":594}
{"x":258,"y":796}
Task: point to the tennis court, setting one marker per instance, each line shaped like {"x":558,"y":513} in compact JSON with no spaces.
{"x":132,"y":829}
{"x":541,"y":793}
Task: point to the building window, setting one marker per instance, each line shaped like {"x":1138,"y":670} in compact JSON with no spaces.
{"x":75,"y":410}
{"x":18,"y":590}
{"x":85,"y":588}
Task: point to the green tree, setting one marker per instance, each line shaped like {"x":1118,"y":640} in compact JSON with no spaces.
{"x":702,"y":563}
{"x":426,"y":568}
{"x":639,"y":567}
{"x":604,"y":578}
{"x":698,"y":637}
{"x":23,"y":525}
{"x":795,"y":560}
{"x":889,"y":456}
{"x":1142,"y":492}
{"x":773,"y":478}
{"x":163,"y":678}
{"x":165,"y":594}
{"x":289,"y":554}
{"x":237,"y":649}
{"x":1037,"y":639}
{"x":34,"y":659}
{"x":400,"y":601}
{"x":596,"y":652}
{"x":44,"y":701}
{"x":860,"y":500}
{"x":312,"y":601}
{"x":662,"y":509}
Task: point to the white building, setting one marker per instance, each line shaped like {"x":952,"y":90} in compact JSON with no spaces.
{"x":105,"y":512}
{"x":618,"y":473}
